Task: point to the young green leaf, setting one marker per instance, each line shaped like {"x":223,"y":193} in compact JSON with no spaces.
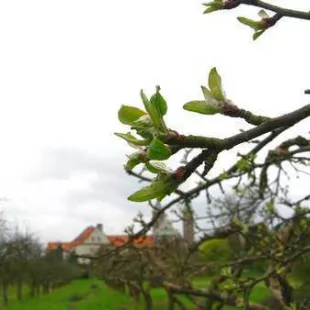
{"x":143,"y":122}
{"x":263,"y":14}
{"x":243,"y":164}
{"x":201,"y":107}
{"x":224,"y":176}
{"x":131,"y":139}
{"x":128,"y":115}
{"x":155,"y":115}
{"x":156,"y":167}
{"x":131,"y":163}
{"x":280,"y":270}
{"x":215,"y":85}
{"x":135,"y":159}
{"x":226,"y":271}
{"x":157,"y":189}
{"x":257,"y":34}
{"x":149,"y":107}
{"x":209,"y":99}
{"x":159,"y":103}
{"x":249,"y":22}
{"x":213,"y":6}
{"x":158,"y":150}
{"x":145,"y":133}
{"x":161,"y":196}
{"x":148,"y":192}
{"x":270,"y":207}
{"x":152,"y":191}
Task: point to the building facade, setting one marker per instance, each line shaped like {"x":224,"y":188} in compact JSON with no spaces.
{"x":87,"y":244}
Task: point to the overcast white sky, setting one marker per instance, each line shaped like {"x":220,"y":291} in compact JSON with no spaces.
{"x":67,"y":66}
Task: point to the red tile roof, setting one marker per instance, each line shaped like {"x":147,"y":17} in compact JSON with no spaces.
{"x":67,"y":246}
{"x":116,"y":240}
{"x":54,"y":245}
{"x":83,"y":236}
{"x":120,"y":240}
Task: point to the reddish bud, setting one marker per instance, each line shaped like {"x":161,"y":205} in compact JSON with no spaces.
{"x":230,"y":4}
{"x":267,"y":22}
{"x":142,"y":156}
{"x":179,"y":173}
{"x":174,"y":135}
{"x":228,"y":108}
{"x":283,"y":151}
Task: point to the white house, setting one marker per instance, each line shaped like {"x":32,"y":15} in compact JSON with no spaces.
{"x":89,"y":241}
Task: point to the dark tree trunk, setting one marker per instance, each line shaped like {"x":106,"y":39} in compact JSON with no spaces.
{"x":121,"y":286}
{"x":170,"y":304}
{"x":46,"y":287}
{"x":286,"y":290}
{"x":5,"y":299}
{"x":134,"y":292}
{"x":130,"y":290}
{"x":32,"y":289}
{"x":19,"y":289}
{"x":147,"y":299}
{"x":37,"y":289}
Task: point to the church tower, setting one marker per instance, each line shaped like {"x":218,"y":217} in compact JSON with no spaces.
{"x":188,"y":225}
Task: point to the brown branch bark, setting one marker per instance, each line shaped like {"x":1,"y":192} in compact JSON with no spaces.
{"x":277,"y":9}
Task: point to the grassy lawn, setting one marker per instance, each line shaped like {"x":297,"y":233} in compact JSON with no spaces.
{"x":93,"y":294}
{"x":77,"y":296}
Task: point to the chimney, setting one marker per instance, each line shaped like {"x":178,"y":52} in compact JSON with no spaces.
{"x":100,"y":227}
{"x":188,"y":225}
{"x":158,"y":221}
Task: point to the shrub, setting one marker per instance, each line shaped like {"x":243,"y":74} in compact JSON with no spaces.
{"x":216,"y":250}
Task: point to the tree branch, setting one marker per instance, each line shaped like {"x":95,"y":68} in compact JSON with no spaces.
{"x":247,"y":116}
{"x":285,"y":120}
{"x":277,"y":9}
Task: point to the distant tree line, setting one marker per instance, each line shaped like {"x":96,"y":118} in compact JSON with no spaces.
{"x":26,"y":268}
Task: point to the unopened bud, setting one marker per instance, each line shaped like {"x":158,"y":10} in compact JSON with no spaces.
{"x":230,"y":4}
{"x":144,"y":120}
{"x":267,"y":23}
{"x":174,"y":135}
{"x":180,"y":173}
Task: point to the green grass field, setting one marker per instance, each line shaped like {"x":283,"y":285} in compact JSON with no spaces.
{"x":80,"y":295}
